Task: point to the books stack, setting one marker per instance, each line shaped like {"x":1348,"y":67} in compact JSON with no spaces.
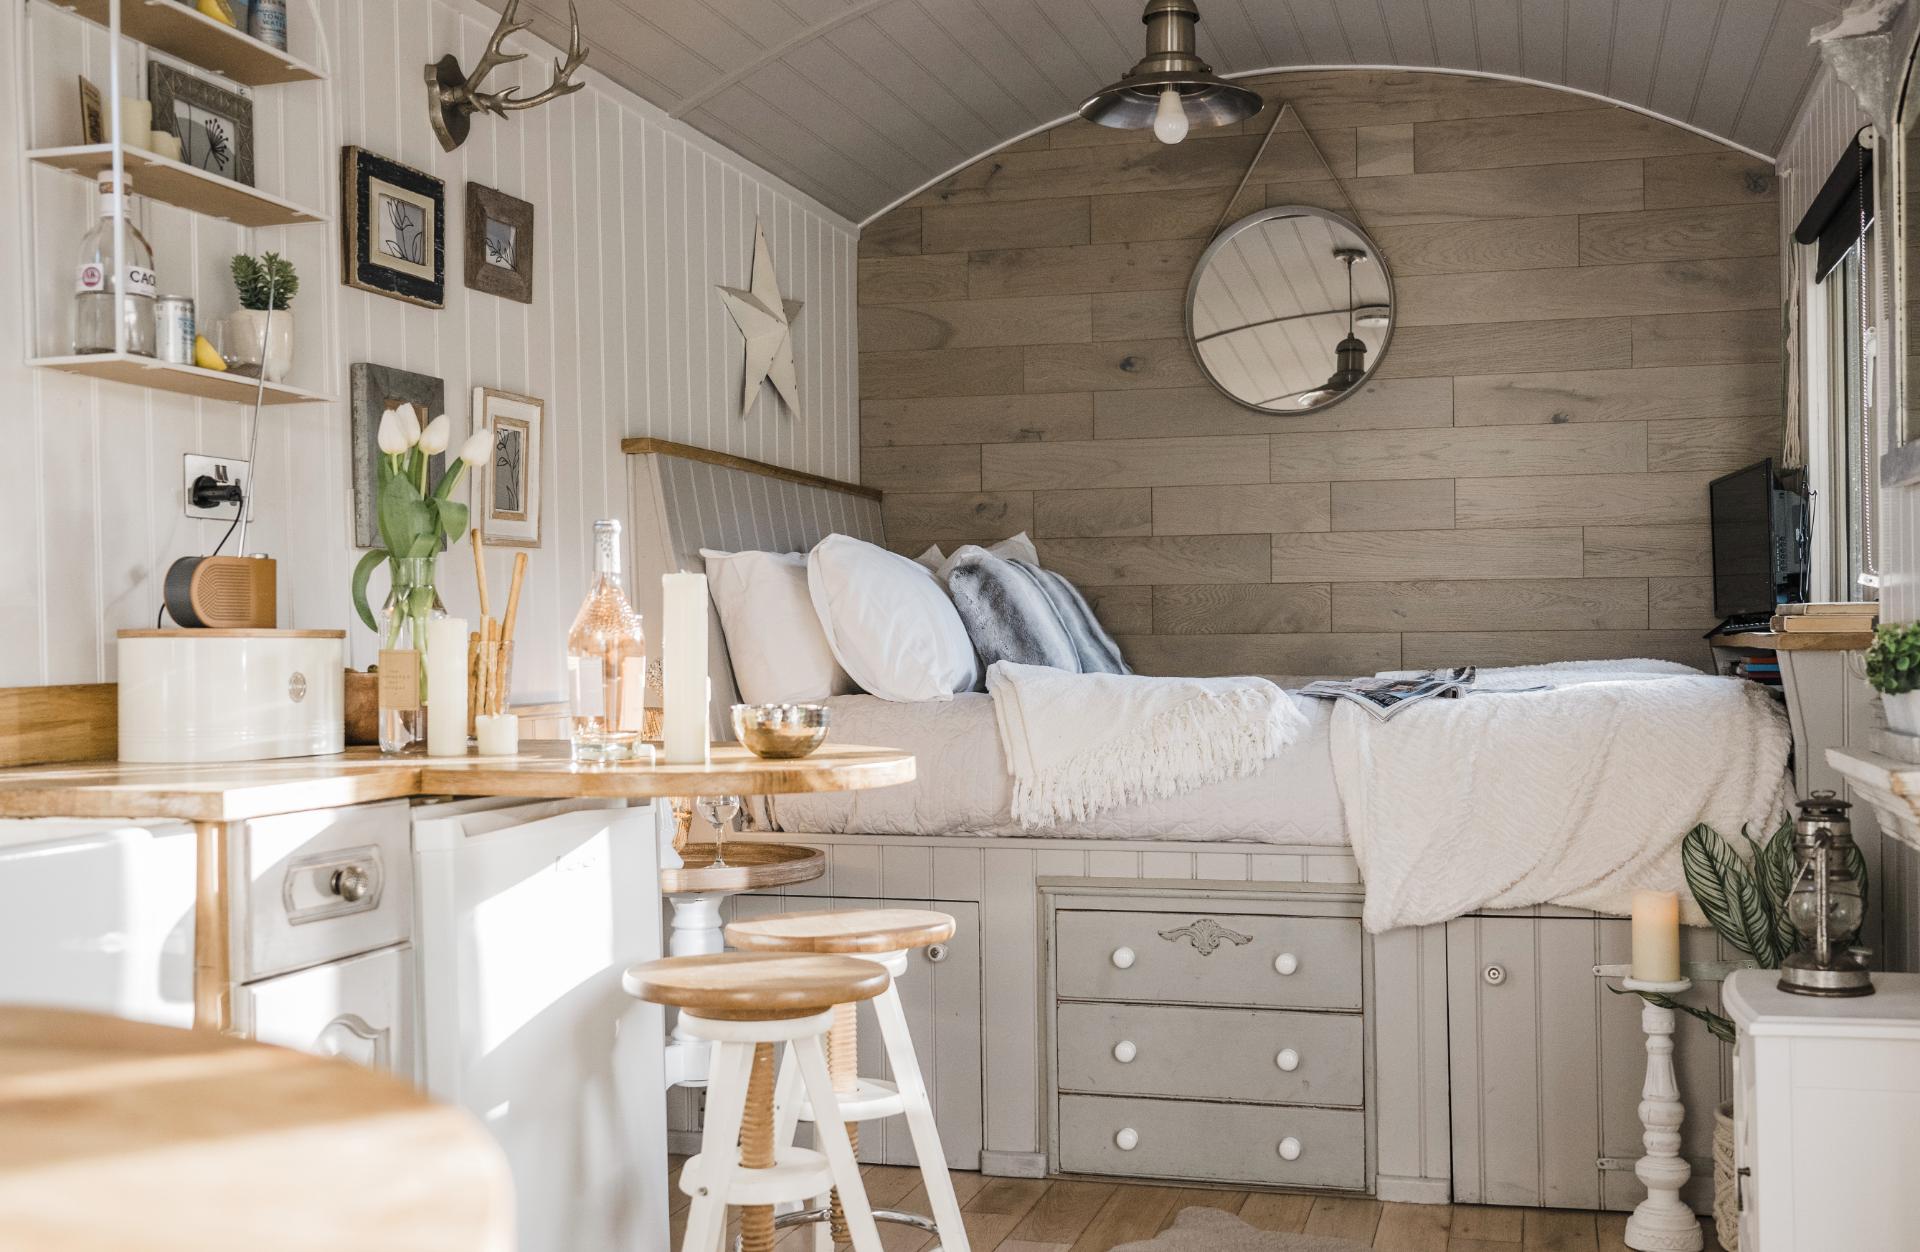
{"x":1761,"y":667}
{"x":1826,"y":619}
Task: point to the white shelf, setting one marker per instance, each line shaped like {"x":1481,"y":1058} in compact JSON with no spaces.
{"x":184,"y":32}
{"x":185,"y":380}
{"x":176,"y":183}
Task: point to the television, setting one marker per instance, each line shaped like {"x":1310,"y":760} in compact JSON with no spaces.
{"x":1759,"y":543}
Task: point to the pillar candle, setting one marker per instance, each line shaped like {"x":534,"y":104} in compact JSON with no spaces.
{"x":683,"y":660}
{"x":136,"y":122}
{"x":447,"y":686}
{"x":1656,"y":936}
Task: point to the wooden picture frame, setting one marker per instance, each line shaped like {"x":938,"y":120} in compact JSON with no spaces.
{"x":93,"y":114}
{"x":374,"y":389}
{"x":393,"y":227}
{"x":499,"y":244}
{"x":508,"y":503}
{"x":214,"y":124}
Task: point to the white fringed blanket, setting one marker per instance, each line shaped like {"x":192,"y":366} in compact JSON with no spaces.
{"x":1575,"y":795}
{"x":1080,"y":744}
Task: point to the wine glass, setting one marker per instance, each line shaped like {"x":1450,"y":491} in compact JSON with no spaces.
{"x":719,"y":812}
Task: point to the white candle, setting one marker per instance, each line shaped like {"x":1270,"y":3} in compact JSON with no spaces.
{"x":1656,"y":936}
{"x":496,"y":734}
{"x":683,"y":659}
{"x":136,"y":122}
{"x":447,"y":686}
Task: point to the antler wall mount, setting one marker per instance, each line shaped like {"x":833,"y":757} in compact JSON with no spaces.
{"x":454,"y":96}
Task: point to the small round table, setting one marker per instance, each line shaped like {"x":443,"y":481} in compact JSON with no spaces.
{"x":117,"y":1134}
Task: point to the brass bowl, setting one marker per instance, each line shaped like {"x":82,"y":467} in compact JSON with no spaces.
{"x":780,"y":732}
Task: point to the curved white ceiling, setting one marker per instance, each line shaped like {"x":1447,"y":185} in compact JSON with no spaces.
{"x":861,"y":102}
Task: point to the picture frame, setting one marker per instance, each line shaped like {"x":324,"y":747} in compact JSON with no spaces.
{"x":93,"y":113}
{"x":499,"y":244}
{"x":214,"y":124}
{"x":393,"y":225}
{"x":509,"y":488}
{"x":375,"y":389}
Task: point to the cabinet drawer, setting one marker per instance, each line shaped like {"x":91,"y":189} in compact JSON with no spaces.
{"x":1216,"y":1142}
{"x":360,"y":1009}
{"x":314,"y":887}
{"x":1211,"y":1054}
{"x":1209,"y":958}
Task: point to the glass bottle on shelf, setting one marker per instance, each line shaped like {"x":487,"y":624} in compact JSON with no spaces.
{"x":97,"y":297}
{"x":606,"y":661}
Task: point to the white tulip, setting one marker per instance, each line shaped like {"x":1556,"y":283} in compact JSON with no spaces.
{"x":409,"y":419}
{"x":393,"y":434}
{"x":439,"y":432}
{"x":474,"y":450}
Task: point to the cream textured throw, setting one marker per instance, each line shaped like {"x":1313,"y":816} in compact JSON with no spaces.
{"x":1080,"y":744}
{"x":1575,"y":795}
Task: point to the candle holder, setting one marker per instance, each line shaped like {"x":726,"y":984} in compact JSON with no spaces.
{"x":1662,"y":1222}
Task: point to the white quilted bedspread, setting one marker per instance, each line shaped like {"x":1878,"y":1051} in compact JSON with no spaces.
{"x":1577,"y":795}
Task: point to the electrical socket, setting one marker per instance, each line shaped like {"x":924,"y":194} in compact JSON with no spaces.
{"x":221,"y":469}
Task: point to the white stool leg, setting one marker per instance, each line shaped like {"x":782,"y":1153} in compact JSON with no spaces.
{"x":920,"y":1122}
{"x":719,"y":1146}
{"x":830,"y":1134}
{"x":788,"y":1098}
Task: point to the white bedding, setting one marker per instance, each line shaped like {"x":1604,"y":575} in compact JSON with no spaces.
{"x":964,"y":786}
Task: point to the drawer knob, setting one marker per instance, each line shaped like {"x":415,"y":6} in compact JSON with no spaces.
{"x":1124,"y":1051}
{"x":1495,"y":975}
{"x":1127,"y":1140}
{"x":1288,"y":1060}
{"x":1285,"y":963}
{"x":1123,"y":958}
{"x":350,"y":883}
{"x":1289,"y":1149}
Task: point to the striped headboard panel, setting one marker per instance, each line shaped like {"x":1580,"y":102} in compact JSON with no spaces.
{"x":683,"y":499}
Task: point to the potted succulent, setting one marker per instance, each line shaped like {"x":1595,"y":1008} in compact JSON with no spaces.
{"x":1893,"y":670}
{"x":264,"y":281}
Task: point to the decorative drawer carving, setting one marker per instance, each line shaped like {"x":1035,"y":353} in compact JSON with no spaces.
{"x":1244,"y":1143}
{"x":1211,"y":1054}
{"x":1208,"y":958}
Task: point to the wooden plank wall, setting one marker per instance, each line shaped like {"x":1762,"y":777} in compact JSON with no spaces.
{"x":1587,"y":332}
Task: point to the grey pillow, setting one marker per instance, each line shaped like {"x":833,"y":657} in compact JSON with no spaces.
{"x":1007,"y":612}
{"x":1092,"y":645}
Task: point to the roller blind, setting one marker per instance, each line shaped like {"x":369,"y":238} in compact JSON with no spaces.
{"x":1834,"y":220}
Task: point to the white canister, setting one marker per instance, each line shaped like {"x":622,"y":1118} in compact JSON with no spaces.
{"x":231,"y":695}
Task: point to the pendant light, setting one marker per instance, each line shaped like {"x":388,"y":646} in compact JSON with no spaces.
{"x":1170,"y":88}
{"x":1350,"y":354}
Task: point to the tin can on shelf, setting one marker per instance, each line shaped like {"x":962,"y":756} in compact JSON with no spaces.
{"x":173,"y":329}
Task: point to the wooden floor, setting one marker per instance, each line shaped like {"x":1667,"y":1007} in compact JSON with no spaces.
{"x":1035,"y":1215}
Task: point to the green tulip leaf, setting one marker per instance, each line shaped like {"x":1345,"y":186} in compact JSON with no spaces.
{"x":361,"y":573}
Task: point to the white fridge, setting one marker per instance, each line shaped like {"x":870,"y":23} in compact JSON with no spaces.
{"x":526,"y":916}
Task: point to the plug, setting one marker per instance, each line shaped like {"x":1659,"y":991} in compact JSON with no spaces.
{"x":209,"y":492}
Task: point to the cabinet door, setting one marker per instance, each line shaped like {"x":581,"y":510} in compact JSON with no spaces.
{"x":360,"y":1009}
{"x":1546,"y":1064}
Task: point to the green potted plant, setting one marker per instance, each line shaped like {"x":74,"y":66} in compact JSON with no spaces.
{"x":263,"y":282}
{"x":1893,"y":670}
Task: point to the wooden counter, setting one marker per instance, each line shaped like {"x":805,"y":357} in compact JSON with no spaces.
{"x":1797,"y":641}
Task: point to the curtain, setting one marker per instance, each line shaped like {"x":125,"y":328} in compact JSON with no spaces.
{"x":1793,"y":449}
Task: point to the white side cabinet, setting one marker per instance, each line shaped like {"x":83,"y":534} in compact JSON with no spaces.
{"x":1825,"y":1118}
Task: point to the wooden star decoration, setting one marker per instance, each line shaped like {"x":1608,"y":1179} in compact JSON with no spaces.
{"x":767,"y":322}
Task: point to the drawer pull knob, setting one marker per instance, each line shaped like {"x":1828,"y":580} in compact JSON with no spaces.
{"x":1123,"y":958}
{"x":1288,"y":1060}
{"x":1127,"y":1140}
{"x":350,"y":883}
{"x":1124,"y":1051}
{"x":1289,"y":1149}
{"x":1495,"y":975}
{"x":1285,"y":963}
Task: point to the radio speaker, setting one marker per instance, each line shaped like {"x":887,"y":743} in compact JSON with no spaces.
{"x":223,"y":592}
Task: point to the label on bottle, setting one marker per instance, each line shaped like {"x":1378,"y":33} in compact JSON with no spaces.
{"x":400,"y":679}
{"x":92,"y":277}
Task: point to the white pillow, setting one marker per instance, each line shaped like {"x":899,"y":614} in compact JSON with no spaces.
{"x":779,"y":653}
{"x":889,"y":622}
{"x":1012,"y":548}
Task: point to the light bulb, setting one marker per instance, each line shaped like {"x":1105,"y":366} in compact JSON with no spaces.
{"x":1170,"y":120}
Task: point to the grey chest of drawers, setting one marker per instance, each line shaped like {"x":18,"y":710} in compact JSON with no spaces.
{"x":1208,"y":1032}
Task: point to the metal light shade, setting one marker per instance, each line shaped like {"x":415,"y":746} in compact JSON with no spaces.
{"x":1171,"y":61}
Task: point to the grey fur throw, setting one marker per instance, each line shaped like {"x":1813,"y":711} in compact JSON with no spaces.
{"x":1007,"y":613}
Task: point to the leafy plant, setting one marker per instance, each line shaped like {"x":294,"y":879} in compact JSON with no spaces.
{"x":413,"y":518}
{"x":254,"y":277}
{"x":1893,"y":659}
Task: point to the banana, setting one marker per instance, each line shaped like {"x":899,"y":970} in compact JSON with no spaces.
{"x":204,"y":355}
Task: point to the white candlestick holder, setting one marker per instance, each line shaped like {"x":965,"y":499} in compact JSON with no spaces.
{"x":1662,"y":1222}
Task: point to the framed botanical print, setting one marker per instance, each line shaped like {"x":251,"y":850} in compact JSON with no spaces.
{"x":93,"y":115}
{"x":214,"y":125}
{"x":509,"y":504}
{"x":499,"y":244}
{"x":376,"y":390}
{"x":393,"y":223}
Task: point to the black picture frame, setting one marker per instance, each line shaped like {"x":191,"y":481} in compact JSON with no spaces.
{"x":179,"y":102}
{"x":393,"y":225}
{"x":493,"y":217}
{"x":374,"y":389}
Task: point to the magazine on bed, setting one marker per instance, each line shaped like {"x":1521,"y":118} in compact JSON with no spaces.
{"x":1383,"y":697}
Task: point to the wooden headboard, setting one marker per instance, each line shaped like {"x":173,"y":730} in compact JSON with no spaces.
{"x":683,"y":499}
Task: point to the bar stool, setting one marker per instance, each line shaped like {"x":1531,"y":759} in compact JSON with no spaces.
{"x":744,"y":1003}
{"x":884,"y":937}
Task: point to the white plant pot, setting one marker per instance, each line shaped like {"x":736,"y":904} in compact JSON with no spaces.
{"x":250,"y":341}
{"x":1903,"y":711}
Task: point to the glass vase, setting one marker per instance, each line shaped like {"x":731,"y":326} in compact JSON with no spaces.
{"x":411,"y":604}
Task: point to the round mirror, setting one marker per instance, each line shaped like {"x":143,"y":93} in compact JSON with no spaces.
{"x":1290,"y":309}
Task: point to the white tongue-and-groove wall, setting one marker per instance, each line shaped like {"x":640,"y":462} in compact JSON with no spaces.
{"x":638,"y":218}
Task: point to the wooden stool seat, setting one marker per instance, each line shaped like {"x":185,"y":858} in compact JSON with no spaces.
{"x":866,"y":932}
{"x":754,"y":986}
